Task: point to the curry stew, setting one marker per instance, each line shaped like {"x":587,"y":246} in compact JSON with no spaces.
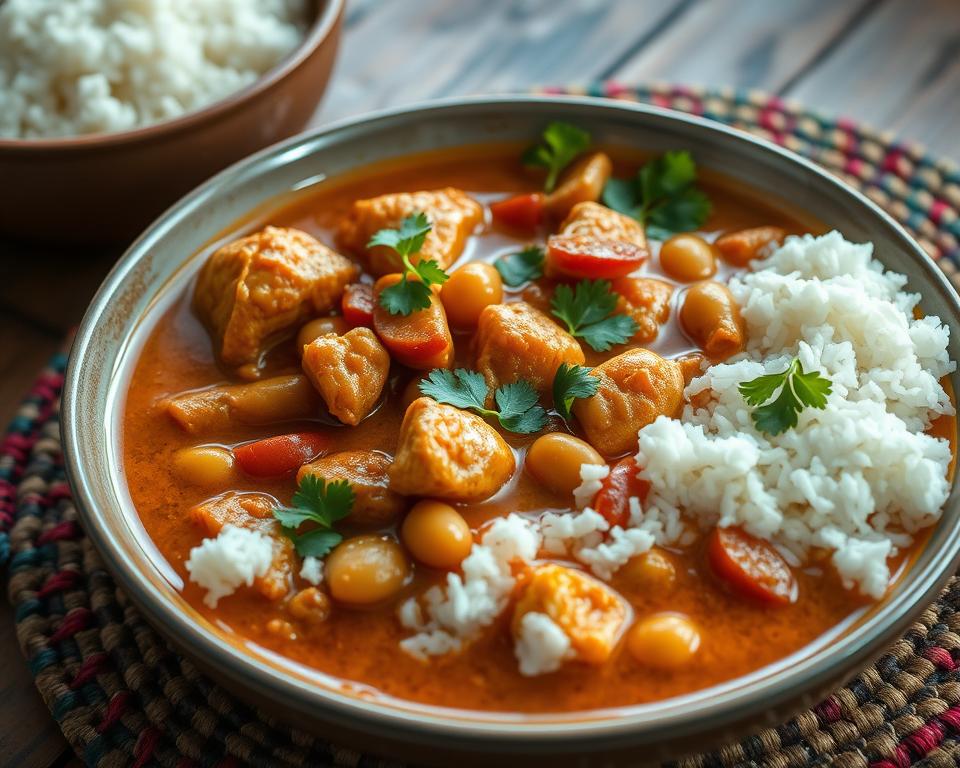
{"x":289,"y":357}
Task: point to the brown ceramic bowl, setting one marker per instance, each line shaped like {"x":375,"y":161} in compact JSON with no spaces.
{"x":107,"y":187}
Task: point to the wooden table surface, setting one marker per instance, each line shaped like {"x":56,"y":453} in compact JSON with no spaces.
{"x":892,"y":63}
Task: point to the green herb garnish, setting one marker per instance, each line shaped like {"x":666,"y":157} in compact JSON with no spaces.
{"x":319,"y":502}
{"x":521,"y":267}
{"x":518,"y":410}
{"x":798,"y":390}
{"x":663,"y":196}
{"x":409,"y":295}
{"x":570,"y":383}
{"x":561,"y":143}
{"x":588,"y":312}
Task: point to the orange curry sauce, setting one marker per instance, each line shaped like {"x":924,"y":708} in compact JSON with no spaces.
{"x":361,"y":645}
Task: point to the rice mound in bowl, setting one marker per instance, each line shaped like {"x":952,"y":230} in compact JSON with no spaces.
{"x":102,"y":66}
{"x":856,"y":479}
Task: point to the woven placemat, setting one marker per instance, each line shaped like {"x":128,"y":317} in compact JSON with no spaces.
{"x":122,"y":697}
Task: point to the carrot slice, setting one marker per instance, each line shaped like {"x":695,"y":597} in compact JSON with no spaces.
{"x":357,"y":305}
{"x":523,"y":213}
{"x":751,"y":567}
{"x":280,"y":455}
{"x":591,"y":257}
{"x":420,"y":340}
{"x":613,"y":498}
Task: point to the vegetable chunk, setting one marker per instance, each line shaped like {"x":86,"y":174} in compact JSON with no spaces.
{"x":218,"y":408}
{"x":348,"y":371}
{"x":517,"y":342}
{"x":253,"y":511}
{"x":254,"y":289}
{"x":449,"y":454}
{"x":374,"y":503}
{"x":581,"y":182}
{"x":636,"y":387}
{"x":420,"y":340}
{"x":452,"y":213}
{"x":591,"y":614}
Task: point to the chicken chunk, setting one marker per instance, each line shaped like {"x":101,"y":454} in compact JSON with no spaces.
{"x":636,"y":387}
{"x":598,"y":221}
{"x":590,"y":614}
{"x":220,"y":408}
{"x":449,"y":453}
{"x":516,"y":341}
{"x":453,"y":215}
{"x":375,"y":504}
{"x":647,"y":301}
{"x":253,"y":511}
{"x":254,"y":289}
{"x":582,"y":182}
{"x":348,"y":371}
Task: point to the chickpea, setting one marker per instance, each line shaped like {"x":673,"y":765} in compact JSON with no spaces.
{"x":366,"y":569}
{"x":320,"y":326}
{"x":711,"y":317}
{"x":310,"y":605}
{"x":210,"y":466}
{"x":555,"y":459}
{"x":688,"y":258}
{"x":436,"y":534}
{"x":470,"y":288}
{"x":666,"y":641}
{"x":652,"y":570}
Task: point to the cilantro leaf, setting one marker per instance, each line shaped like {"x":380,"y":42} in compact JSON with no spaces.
{"x":662,"y":196}
{"x":412,"y":292}
{"x":587,"y":310}
{"x":408,"y":239}
{"x":561,"y":143}
{"x":517,"y":406}
{"x":406,"y":297}
{"x":798,"y":390}
{"x":521,"y":267}
{"x":570,"y":383}
{"x":320,"y":503}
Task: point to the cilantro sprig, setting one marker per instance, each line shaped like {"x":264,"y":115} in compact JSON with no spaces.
{"x":587,"y":309}
{"x":561,"y":143}
{"x":517,"y":409}
{"x":662,"y":196}
{"x":322,"y":504}
{"x":409,"y":295}
{"x":570,"y":383}
{"x":798,"y":390}
{"x":521,"y":267}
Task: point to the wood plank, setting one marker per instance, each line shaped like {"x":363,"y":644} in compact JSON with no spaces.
{"x":24,"y":349}
{"x":402,"y":53}
{"x":29,"y":737}
{"x":742,"y":43}
{"x":897,"y":70}
{"x":52,"y":286}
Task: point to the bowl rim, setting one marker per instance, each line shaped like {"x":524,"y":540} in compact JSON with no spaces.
{"x":415,"y":724}
{"x":317,"y":33}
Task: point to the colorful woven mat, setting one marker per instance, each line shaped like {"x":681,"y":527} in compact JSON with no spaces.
{"x":123,"y":698}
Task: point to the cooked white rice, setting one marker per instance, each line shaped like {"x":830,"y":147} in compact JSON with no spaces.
{"x":71,"y":67}
{"x":857,"y":478}
{"x":233,"y":559}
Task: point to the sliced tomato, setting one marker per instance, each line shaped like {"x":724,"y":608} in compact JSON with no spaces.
{"x":358,"y":304}
{"x":591,"y":257}
{"x":523,"y":212}
{"x":280,"y":455}
{"x":613,"y":498}
{"x":751,"y":567}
